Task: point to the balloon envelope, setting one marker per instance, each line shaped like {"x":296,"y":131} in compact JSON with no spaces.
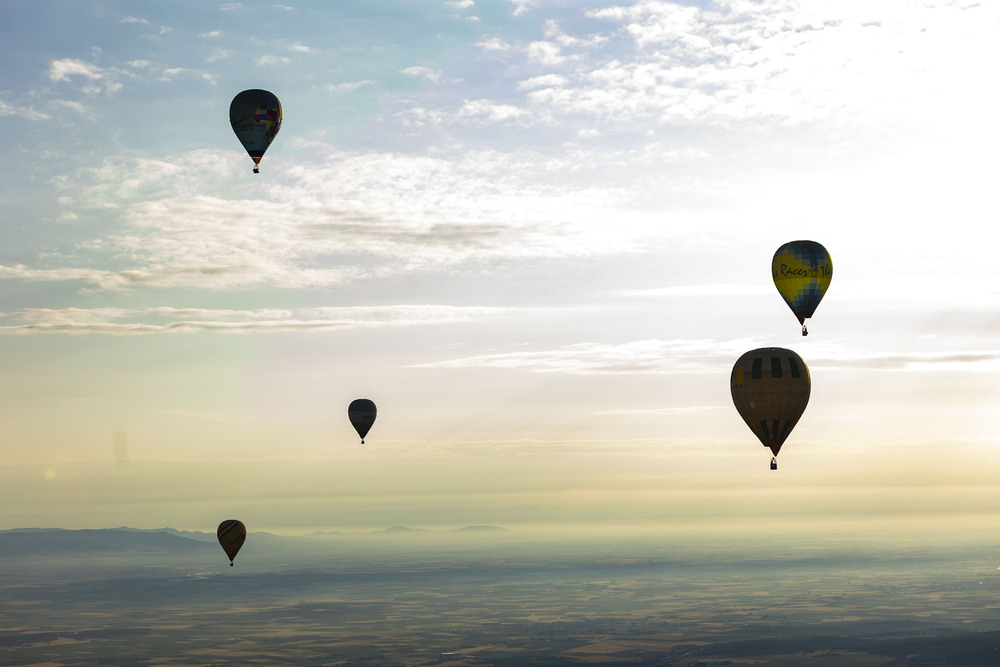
{"x":802,"y":271}
{"x":770,"y":388}
{"x":232,"y":534}
{"x":361,"y":412}
{"x":256,"y":118}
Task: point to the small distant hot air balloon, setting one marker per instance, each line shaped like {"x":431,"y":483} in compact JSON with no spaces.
{"x":256,"y":118}
{"x":232,"y":534}
{"x":770,"y":388}
{"x":802,"y":271}
{"x":361,"y":412}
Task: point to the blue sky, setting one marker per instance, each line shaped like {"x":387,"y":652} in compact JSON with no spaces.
{"x":532,"y":232}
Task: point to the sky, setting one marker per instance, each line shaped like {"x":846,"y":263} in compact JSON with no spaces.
{"x":537,"y":233}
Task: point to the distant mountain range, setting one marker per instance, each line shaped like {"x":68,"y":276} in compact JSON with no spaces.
{"x":54,"y":541}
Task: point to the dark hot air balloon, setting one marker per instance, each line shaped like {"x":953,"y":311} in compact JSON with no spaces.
{"x":232,"y":534}
{"x":256,"y":118}
{"x":802,"y":271}
{"x":770,"y":388}
{"x":361,"y":412}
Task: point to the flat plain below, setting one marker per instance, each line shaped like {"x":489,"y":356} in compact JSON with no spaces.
{"x":505,"y":598}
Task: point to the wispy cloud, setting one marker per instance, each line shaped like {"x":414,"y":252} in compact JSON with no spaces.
{"x":702,"y":290}
{"x":429,"y":75}
{"x":324,"y":223}
{"x":272,"y":60}
{"x":25,"y":112}
{"x":96,"y":79}
{"x":108,"y":280}
{"x":348,"y":85}
{"x":166,"y":320}
{"x":494,"y":44}
{"x":66,"y":68}
{"x":641,"y":356}
{"x":686,"y":356}
{"x":660,"y":64}
{"x":981,"y":361}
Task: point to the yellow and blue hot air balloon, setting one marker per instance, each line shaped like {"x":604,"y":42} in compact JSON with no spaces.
{"x":802,"y":271}
{"x":770,"y":388}
{"x":256,"y":118}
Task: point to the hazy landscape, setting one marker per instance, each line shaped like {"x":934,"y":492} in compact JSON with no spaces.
{"x":538,"y":235}
{"x":490,"y":596}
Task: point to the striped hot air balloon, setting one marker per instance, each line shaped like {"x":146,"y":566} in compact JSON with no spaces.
{"x":770,"y":388}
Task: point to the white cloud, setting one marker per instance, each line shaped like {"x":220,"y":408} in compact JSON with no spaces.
{"x":63,"y":69}
{"x":522,"y":6}
{"x":850,"y":65}
{"x":273,"y":60}
{"x":73,"y":106}
{"x":97,"y":79}
{"x":430,"y":75}
{"x":348,"y":85}
{"x":170,"y":72}
{"x":460,"y":4}
{"x":544,"y":81}
{"x":687,"y":356}
{"x":108,"y":280}
{"x":491,"y":111}
{"x":546,"y":53}
{"x":494,"y":44}
{"x":29,"y":112}
{"x":326,"y":223}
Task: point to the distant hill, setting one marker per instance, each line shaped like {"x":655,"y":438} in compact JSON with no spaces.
{"x":190,"y":534}
{"x":54,"y":541}
{"x":402,"y":529}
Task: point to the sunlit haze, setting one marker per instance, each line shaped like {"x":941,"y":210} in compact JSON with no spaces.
{"x":537,"y":234}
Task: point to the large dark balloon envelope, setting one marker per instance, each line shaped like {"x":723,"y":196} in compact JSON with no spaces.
{"x":770,"y":388}
{"x":802,"y":271}
{"x":232,"y":534}
{"x":256,"y":118}
{"x":361,"y":412}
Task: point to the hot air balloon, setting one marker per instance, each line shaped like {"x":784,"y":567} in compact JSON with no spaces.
{"x":232,"y":534}
{"x":256,"y":118}
{"x":361,"y":412}
{"x":802,"y":271}
{"x":770,"y":388}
